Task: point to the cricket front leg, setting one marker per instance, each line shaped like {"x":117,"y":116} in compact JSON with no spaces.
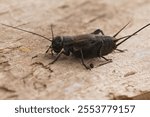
{"x":57,"y":57}
{"x":65,"y":52}
{"x":49,"y":48}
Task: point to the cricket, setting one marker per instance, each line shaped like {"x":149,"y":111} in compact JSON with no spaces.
{"x":84,"y":46}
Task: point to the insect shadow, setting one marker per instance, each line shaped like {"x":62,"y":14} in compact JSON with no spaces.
{"x":94,"y":44}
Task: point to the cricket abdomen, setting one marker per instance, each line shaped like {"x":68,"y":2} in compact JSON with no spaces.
{"x":108,"y":45}
{"x":91,"y":52}
{"x":101,"y":46}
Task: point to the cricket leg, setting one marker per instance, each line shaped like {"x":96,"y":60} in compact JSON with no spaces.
{"x":121,"y":50}
{"x":82,"y":60}
{"x":57,"y":57}
{"x":97,"y":31}
{"x":100,"y":55}
{"x":107,"y":61}
{"x":50,"y":47}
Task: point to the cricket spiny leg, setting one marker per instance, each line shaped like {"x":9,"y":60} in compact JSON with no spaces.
{"x":82,"y":60}
{"x":100,"y":55}
{"x":97,"y":31}
{"x":121,"y":50}
{"x":107,"y":61}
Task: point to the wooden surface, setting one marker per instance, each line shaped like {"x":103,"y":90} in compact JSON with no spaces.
{"x":23,"y":76}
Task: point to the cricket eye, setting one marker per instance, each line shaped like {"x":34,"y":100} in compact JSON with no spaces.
{"x":58,"y":40}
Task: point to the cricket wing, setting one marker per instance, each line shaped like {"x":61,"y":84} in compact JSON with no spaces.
{"x":83,"y":41}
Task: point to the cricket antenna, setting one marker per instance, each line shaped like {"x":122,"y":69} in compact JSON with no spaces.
{"x":116,"y":40}
{"x":52,"y":32}
{"x":121,"y":29}
{"x":50,"y":47}
{"x":27,"y":31}
{"x":133,"y":34}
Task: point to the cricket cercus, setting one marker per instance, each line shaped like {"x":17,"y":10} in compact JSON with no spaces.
{"x":84,"y":46}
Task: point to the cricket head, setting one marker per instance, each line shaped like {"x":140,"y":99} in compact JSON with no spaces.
{"x":57,"y":44}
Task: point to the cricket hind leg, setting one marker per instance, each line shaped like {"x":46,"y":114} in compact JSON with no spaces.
{"x":97,"y":31}
{"x":107,"y":61}
{"x":121,"y":50}
{"x":82,"y":60}
{"x":100,"y":55}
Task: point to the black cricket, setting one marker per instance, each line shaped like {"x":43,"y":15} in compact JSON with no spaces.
{"x":95,"y":44}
